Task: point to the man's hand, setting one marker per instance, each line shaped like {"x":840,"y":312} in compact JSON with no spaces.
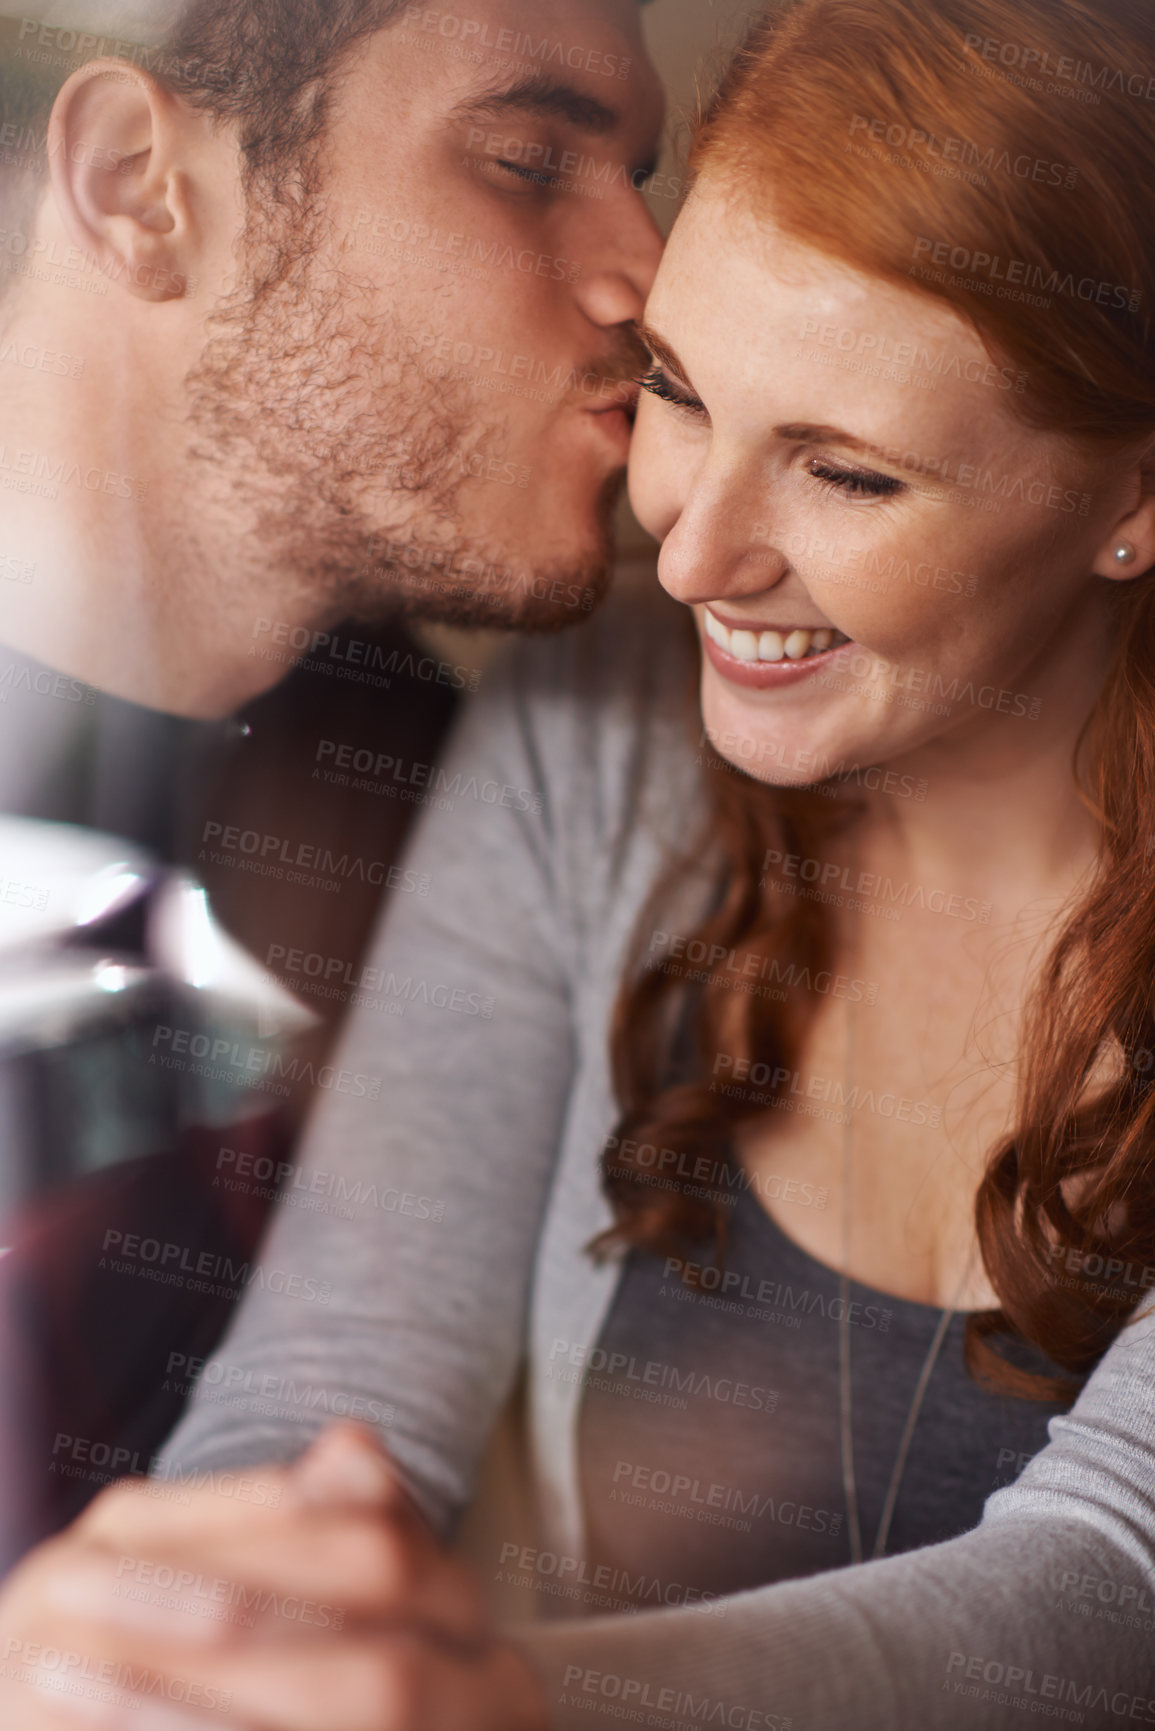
{"x":323,"y":1603}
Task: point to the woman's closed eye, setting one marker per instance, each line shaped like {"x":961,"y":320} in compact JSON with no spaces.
{"x":659,"y":384}
{"x":855,"y":483}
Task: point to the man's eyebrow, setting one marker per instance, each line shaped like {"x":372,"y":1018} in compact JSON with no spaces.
{"x":544,"y":98}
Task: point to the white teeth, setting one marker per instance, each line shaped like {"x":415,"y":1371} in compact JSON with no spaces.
{"x":771,"y":645}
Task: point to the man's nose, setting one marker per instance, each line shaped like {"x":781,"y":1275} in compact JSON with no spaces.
{"x":619,"y":272}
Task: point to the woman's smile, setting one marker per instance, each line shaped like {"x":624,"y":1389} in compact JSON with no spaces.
{"x":761,"y":657}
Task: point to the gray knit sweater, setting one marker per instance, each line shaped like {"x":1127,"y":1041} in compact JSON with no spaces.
{"x":430,"y":1252}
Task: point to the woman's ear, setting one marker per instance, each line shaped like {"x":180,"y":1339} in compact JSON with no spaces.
{"x":118,"y":148}
{"x":1130,"y":550}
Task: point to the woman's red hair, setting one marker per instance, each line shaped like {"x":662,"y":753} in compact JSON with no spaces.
{"x":835,"y":117}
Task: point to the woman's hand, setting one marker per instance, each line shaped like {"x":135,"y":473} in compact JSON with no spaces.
{"x":323,"y":1603}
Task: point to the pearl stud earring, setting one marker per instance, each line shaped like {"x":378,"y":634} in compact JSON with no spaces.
{"x":1124,"y":553}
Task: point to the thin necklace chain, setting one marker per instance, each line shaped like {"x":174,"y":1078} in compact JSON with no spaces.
{"x":845,"y":1398}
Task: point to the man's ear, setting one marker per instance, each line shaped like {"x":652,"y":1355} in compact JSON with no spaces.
{"x":117,"y":147}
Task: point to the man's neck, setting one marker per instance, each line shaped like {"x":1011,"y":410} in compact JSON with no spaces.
{"x":111,"y":570}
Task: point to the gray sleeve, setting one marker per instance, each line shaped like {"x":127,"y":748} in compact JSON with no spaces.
{"x":394,"y":1282}
{"x":1044,"y":1613}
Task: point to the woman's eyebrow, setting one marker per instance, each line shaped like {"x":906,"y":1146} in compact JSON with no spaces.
{"x":662,"y":350}
{"x":820,"y":433}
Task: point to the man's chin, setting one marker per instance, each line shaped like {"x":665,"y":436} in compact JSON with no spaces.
{"x":529,"y":591}
{"x":548,"y":599}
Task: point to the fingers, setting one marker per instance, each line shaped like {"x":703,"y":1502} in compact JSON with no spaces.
{"x":346,"y":1465}
{"x":131,"y":1509}
{"x":371,"y":1682}
{"x":334,"y":1585}
{"x":333,"y":1538}
{"x":317,"y":1570}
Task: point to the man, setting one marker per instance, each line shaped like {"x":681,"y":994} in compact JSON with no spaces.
{"x":309,"y":313}
{"x":339,"y":337}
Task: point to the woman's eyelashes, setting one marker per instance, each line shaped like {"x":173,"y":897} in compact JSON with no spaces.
{"x":660,"y":385}
{"x":855,"y":483}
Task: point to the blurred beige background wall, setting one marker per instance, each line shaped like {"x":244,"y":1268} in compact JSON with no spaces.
{"x":691,"y":41}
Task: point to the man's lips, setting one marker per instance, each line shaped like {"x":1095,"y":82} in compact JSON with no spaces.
{"x":620,"y":398}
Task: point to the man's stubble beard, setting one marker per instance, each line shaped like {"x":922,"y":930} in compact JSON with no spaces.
{"x":345,"y":465}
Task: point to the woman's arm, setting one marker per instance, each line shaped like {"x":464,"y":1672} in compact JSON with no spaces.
{"x":1045,"y":1612}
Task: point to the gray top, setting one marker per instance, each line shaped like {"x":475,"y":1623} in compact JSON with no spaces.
{"x":431,"y":1249}
{"x":736,"y":1481}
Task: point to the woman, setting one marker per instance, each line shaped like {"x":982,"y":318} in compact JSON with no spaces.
{"x":876,"y":1192}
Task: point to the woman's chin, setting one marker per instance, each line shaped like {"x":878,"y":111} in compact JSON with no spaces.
{"x":775,"y":746}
